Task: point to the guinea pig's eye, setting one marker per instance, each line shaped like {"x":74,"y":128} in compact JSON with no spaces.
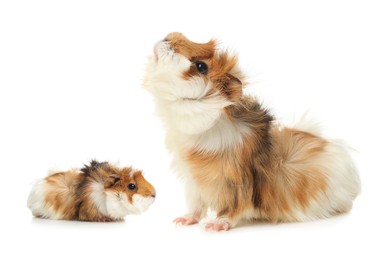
{"x":201,"y":67}
{"x":131,"y":186}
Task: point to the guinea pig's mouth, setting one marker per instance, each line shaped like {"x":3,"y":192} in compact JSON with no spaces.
{"x":155,"y":53}
{"x":190,"y":99}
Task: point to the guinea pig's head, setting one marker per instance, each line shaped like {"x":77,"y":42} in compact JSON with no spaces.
{"x":185,"y":71}
{"x":127,"y":191}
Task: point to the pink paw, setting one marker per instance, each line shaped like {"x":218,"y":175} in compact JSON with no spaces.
{"x":104,"y":219}
{"x":186,"y":221}
{"x":217,"y":226}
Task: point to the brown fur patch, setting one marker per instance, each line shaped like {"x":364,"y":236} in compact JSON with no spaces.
{"x":62,"y":193}
{"x":229,"y":176}
{"x":144,"y":188}
{"x":216,"y":175}
{"x":191,"y":50}
{"x":294,"y":178}
{"x":229,"y":86}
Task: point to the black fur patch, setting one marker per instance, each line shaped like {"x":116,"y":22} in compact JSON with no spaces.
{"x":93,"y":165}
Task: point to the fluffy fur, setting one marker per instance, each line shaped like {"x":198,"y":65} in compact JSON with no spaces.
{"x":97,"y":192}
{"x":231,"y":155}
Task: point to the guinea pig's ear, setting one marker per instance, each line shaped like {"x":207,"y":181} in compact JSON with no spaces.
{"x":230,"y":87}
{"x":111,"y":181}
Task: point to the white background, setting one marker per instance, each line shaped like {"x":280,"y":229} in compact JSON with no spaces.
{"x":71,"y":90}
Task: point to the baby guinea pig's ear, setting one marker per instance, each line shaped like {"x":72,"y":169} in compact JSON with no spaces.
{"x":111,"y":181}
{"x":230,"y":87}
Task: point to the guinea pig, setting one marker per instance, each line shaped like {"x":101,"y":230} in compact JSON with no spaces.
{"x":98,"y":192}
{"x":233,"y":156}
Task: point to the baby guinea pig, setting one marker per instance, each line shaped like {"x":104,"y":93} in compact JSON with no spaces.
{"x":98,"y":192}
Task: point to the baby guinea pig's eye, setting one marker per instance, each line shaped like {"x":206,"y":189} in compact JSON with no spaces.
{"x":201,"y":67}
{"x":131,"y":186}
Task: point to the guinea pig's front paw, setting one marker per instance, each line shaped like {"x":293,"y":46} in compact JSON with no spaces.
{"x":186,"y":220}
{"x":218,"y":225}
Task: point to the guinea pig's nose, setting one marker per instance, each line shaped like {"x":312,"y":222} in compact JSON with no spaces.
{"x":153,"y":195}
{"x":167,"y":38}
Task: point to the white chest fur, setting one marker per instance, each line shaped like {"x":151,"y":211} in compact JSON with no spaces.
{"x":223,"y":134}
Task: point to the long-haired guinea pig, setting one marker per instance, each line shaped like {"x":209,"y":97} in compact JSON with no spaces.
{"x":232,"y":156}
{"x":98,"y":192}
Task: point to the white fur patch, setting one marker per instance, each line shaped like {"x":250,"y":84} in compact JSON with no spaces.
{"x":343,"y":182}
{"x":184,"y":105}
{"x":98,"y":196}
{"x":223,"y":135}
{"x":36,"y":201}
{"x":164,"y":75}
{"x":141,"y":203}
{"x":308,"y":124}
{"x":118,"y":205}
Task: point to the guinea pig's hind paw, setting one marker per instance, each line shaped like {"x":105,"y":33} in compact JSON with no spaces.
{"x":186,"y":221}
{"x":217,"y":225}
{"x":104,"y":219}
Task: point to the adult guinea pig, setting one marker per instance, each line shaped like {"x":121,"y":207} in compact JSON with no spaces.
{"x":98,"y":192}
{"x":234,"y":157}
